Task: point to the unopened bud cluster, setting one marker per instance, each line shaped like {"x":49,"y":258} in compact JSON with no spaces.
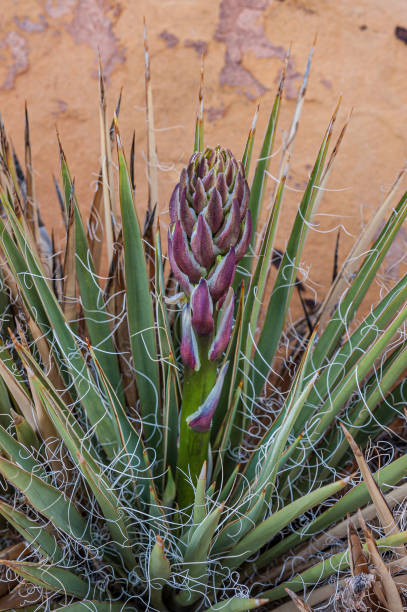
{"x":210,"y":232}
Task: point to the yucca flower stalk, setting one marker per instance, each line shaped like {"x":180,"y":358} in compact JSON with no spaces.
{"x":209,"y":234}
{"x":153,"y":454}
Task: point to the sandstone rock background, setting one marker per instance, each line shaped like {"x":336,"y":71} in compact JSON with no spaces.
{"x":48,"y":56}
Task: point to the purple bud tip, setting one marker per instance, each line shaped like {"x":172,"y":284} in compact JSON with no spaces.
{"x":201,"y":420}
{"x":183,"y":255}
{"x":202,"y":243}
{"x":222,"y":277}
{"x":202,"y":308}
{"x":244,"y":241}
{"x":224,"y":327}
{"x":179,"y":275}
{"x":189,"y":346}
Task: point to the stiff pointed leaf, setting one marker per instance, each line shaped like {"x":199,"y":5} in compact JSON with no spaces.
{"x":20,"y":454}
{"x":32,"y":531}
{"x":47,"y":500}
{"x":75,"y":363}
{"x":93,"y":606}
{"x":277,"y":308}
{"x":49,"y":577}
{"x":357,"y":497}
{"x":236,"y":529}
{"x":237,"y":604}
{"x":196,"y":558}
{"x":94,"y":308}
{"x":263,"y":533}
{"x":139,"y":308}
{"x":159,"y":573}
{"x":328,"y":567}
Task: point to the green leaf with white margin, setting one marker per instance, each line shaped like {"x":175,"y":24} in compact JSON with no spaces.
{"x":67,"y":417}
{"x":49,"y":577}
{"x":139,"y":309}
{"x":263,"y":533}
{"x":196,"y":559}
{"x":247,"y":154}
{"x":112,"y":513}
{"x":378,"y":387}
{"x":159,"y":573}
{"x":132,"y":457}
{"x":265,"y":468}
{"x":328,"y":567}
{"x":348,"y":306}
{"x":94,"y":308}
{"x":385,"y":413}
{"x":355,"y":346}
{"x":47,"y":500}
{"x":101,"y":488}
{"x":342,"y":392}
{"x":199,"y":510}
{"x":237,"y":604}
{"x":258,"y":186}
{"x":20,"y":455}
{"x":37,"y":536}
{"x":277,"y":308}
{"x":94,"y":407}
{"x":168,"y":365}
{"x":92,"y":301}
{"x":357,"y":497}
{"x":93,"y":606}
{"x":236,"y":529}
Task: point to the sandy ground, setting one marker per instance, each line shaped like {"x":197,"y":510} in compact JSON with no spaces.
{"x":48,"y":56}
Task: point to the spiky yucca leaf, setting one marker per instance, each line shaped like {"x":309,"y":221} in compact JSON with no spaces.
{"x":104,"y":504}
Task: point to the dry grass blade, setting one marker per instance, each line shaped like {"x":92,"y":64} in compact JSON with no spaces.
{"x":95,"y":224}
{"x":107,"y":174}
{"x":13,"y":552}
{"x":152,"y":159}
{"x":352,"y":261}
{"x":358,"y":561}
{"x":298,"y":602}
{"x":392,"y":595}
{"x":383,"y":511}
{"x":21,"y":596}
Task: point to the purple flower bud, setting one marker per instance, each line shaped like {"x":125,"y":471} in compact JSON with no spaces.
{"x":186,"y":214}
{"x":182,"y":254}
{"x":189,"y":346}
{"x":214,"y":212}
{"x":244,"y":242}
{"x":209,"y":180}
{"x":199,"y":199}
{"x":179,"y":275}
{"x":222,"y":277}
{"x":230,"y":172}
{"x":202,"y":308}
{"x":208,"y":211}
{"x":201,"y":420}
{"x":202,"y":243}
{"x":203,"y":168}
{"x":222,"y":187}
{"x":174,"y":204}
{"x":224,"y":327}
{"x":230,"y":232}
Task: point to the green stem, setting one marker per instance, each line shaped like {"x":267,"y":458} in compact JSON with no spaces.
{"x":193,"y":445}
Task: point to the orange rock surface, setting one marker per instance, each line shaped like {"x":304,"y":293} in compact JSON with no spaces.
{"x":48,"y":56}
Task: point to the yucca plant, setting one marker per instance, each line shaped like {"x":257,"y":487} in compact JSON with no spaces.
{"x":154,"y":455}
